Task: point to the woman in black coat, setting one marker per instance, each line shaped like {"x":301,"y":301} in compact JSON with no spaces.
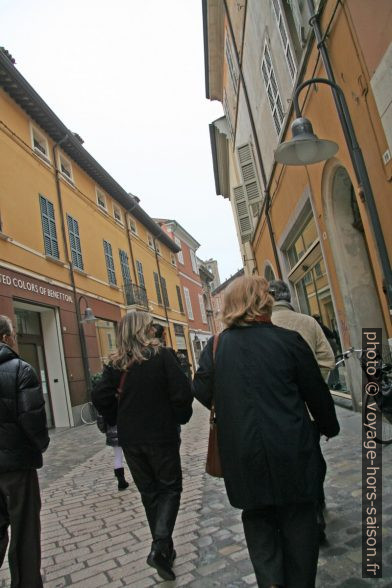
{"x":155,"y":397}
{"x":260,"y":379}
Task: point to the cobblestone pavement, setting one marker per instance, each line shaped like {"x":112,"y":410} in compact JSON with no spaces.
{"x":94,"y":536}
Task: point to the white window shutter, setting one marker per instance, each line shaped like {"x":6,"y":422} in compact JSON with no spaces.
{"x":243,"y":215}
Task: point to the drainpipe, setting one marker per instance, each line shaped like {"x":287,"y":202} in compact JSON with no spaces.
{"x":86,"y":368}
{"x":130,"y":243}
{"x":163,"y":298}
{"x":357,"y":159}
{"x":267,"y":198}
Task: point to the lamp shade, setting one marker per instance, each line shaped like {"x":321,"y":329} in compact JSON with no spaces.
{"x":305,"y":147}
{"x":88,"y":316}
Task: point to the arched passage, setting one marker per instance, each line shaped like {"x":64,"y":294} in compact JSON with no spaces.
{"x":353,"y":268}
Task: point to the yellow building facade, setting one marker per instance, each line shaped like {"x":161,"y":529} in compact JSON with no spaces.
{"x":72,"y":238}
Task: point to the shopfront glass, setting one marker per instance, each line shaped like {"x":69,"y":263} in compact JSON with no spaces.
{"x":106,"y":336}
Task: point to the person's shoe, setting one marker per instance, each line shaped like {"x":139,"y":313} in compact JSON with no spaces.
{"x":162,"y":564}
{"x":122,"y":483}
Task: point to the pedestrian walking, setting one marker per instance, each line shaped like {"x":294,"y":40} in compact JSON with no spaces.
{"x":284,"y":315}
{"x":260,"y":378}
{"x":333,"y":340}
{"x":112,"y":441}
{"x":23,"y":439}
{"x":155,"y":397}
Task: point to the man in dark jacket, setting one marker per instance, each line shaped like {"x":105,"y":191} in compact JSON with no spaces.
{"x":23,"y":439}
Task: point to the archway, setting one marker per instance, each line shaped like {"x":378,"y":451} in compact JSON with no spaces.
{"x":353,"y":268}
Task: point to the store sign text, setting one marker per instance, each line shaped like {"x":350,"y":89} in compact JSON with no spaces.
{"x":34,"y":287}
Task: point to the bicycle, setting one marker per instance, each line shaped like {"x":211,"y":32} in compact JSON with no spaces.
{"x":375,"y":402}
{"x":88,"y":413}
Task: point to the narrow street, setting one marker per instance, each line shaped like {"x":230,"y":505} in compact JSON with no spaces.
{"x":95,"y":536}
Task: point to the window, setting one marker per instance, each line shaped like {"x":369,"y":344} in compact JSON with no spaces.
{"x":302,"y":243}
{"x":188,"y":303}
{"x":117,"y":214}
{"x":157,"y":288}
{"x":101,"y":199}
{"x":140,"y":275}
{"x":150,"y":241}
{"x":194,"y":261}
{"x":124,"y":263}
{"x":172,"y":259}
{"x":40,"y":143}
{"x":49,"y":227}
{"x":202,"y":309}
{"x":179,"y":297}
{"x":74,"y":241}
{"x":157,"y":248}
{"x":164,"y":292}
{"x":180,"y":255}
{"x":132,"y":226}
{"x":284,"y":36}
{"x":271,"y":86}
{"x":106,"y":336}
{"x":244,"y":222}
{"x":109,"y":262}
{"x":230,"y":62}
{"x":269,"y":273}
{"x":227,"y":114}
{"x":65,"y":168}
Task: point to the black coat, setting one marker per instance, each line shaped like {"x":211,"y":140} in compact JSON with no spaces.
{"x":262,"y":377}
{"x":23,"y":431}
{"x":156,"y":398}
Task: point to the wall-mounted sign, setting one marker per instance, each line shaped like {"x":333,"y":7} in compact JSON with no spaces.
{"x":29,"y":285}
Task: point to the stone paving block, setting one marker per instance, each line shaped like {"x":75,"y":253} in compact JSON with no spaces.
{"x":103,"y":566}
{"x":211,"y":568}
{"x":97,"y":581}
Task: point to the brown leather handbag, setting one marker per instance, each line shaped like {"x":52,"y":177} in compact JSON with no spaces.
{"x":213,"y":463}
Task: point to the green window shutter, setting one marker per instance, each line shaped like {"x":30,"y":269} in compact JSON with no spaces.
{"x":180,"y":304}
{"x":244,"y":222}
{"x":49,"y":227}
{"x":126,"y":274}
{"x":157,"y":288}
{"x":140,"y":275}
{"x":74,"y":241}
{"x":251,"y":183}
{"x":109,"y":262}
{"x":164,"y":292}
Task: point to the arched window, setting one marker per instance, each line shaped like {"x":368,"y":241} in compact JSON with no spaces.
{"x":269,"y":273}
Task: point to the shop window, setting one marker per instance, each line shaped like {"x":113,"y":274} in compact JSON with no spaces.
{"x":106,"y":336}
{"x":74,"y":241}
{"x":140,"y":274}
{"x":109,"y":262}
{"x":49,"y":227}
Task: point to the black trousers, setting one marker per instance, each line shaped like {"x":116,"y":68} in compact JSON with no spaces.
{"x":156,"y":471}
{"x":283,"y":544}
{"x":20,"y":506}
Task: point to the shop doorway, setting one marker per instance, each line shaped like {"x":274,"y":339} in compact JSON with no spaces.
{"x":40,"y":344}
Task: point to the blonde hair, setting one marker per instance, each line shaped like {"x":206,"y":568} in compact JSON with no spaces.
{"x":135,"y":340}
{"x":245,"y":299}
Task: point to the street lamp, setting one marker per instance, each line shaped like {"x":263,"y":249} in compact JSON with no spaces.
{"x":305,"y":148}
{"x":88,"y":317}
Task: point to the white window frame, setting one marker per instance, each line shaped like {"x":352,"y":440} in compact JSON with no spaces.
{"x":40,"y":138}
{"x":157,"y":247}
{"x":173,"y":259}
{"x":118,"y":209}
{"x":101,"y":195}
{"x":180,"y":255}
{"x":271,"y":85}
{"x":64,"y":162}
{"x":202,"y":309}
{"x":188,"y":303}
{"x":132,"y":226}
{"x":193,"y":261}
{"x":285,"y":39}
{"x":150,"y":241}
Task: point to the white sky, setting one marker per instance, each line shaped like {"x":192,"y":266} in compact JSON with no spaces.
{"x":128,"y":76}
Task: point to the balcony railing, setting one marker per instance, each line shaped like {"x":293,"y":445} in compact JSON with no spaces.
{"x":135,"y":295}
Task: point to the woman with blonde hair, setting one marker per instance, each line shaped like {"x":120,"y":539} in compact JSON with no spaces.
{"x":260,"y":378}
{"x":145,"y":392}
